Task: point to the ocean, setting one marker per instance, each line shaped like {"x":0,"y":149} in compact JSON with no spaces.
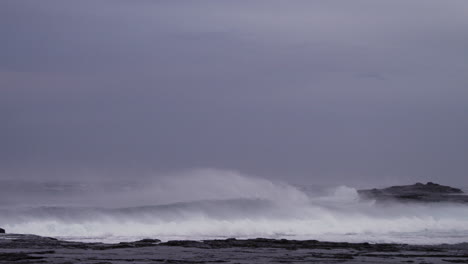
{"x":211,"y":204}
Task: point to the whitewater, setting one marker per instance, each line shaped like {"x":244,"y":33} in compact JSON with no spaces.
{"x":210,"y":204}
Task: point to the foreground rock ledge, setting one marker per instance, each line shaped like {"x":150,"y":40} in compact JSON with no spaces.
{"x":419,"y":192}
{"x":16,"y":248}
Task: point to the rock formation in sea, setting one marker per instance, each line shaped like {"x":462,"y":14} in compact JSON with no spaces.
{"x":419,"y":192}
{"x":2,"y":231}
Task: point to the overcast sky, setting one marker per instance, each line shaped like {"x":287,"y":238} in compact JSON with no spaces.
{"x":312,"y":91}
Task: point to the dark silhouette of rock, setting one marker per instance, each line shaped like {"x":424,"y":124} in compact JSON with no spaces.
{"x":149,"y":241}
{"x":35,"y":249}
{"x":419,"y":192}
{"x":2,"y":231}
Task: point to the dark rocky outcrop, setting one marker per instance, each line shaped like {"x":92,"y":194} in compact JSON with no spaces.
{"x":30,"y":249}
{"x":281,"y":243}
{"x":419,"y":192}
{"x":2,"y":231}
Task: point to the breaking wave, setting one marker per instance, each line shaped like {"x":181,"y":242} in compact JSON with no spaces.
{"x":218,"y":204}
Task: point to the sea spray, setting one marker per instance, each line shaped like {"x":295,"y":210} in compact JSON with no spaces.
{"x":206,"y":204}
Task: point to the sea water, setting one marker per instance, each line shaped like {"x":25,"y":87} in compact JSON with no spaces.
{"x":213,"y":204}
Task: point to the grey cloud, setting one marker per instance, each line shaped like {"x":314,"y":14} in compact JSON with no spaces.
{"x":304,"y":91}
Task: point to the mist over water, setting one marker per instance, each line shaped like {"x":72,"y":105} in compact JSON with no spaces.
{"x":203,"y":204}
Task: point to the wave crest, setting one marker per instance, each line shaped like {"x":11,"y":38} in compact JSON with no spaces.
{"x":218,"y":204}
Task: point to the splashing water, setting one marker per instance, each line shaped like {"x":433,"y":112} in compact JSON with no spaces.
{"x":206,"y":204}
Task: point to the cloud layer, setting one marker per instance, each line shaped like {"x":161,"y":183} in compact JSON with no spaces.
{"x":306,"y":91}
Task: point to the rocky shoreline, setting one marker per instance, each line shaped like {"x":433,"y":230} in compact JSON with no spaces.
{"x":16,"y":248}
{"x":27,"y":249}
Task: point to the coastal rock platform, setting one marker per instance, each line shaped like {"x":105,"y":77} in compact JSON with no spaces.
{"x":26,"y":249}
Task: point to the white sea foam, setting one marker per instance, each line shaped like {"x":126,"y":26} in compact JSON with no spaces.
{"x":218,"y":204}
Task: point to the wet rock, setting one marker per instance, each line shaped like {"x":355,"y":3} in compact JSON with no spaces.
{"x":2,"y":231}
{"x":25,"y":249}
{"x":148,"y":240}
{"x":419,"y":192}
{"x":17,"y":257}
{"x":185,"y":243}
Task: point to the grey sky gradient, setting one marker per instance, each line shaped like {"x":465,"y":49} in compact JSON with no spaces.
{"x":303,"y":91}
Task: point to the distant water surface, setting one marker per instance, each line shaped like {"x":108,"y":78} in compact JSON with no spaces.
{"x":232,"y":205}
